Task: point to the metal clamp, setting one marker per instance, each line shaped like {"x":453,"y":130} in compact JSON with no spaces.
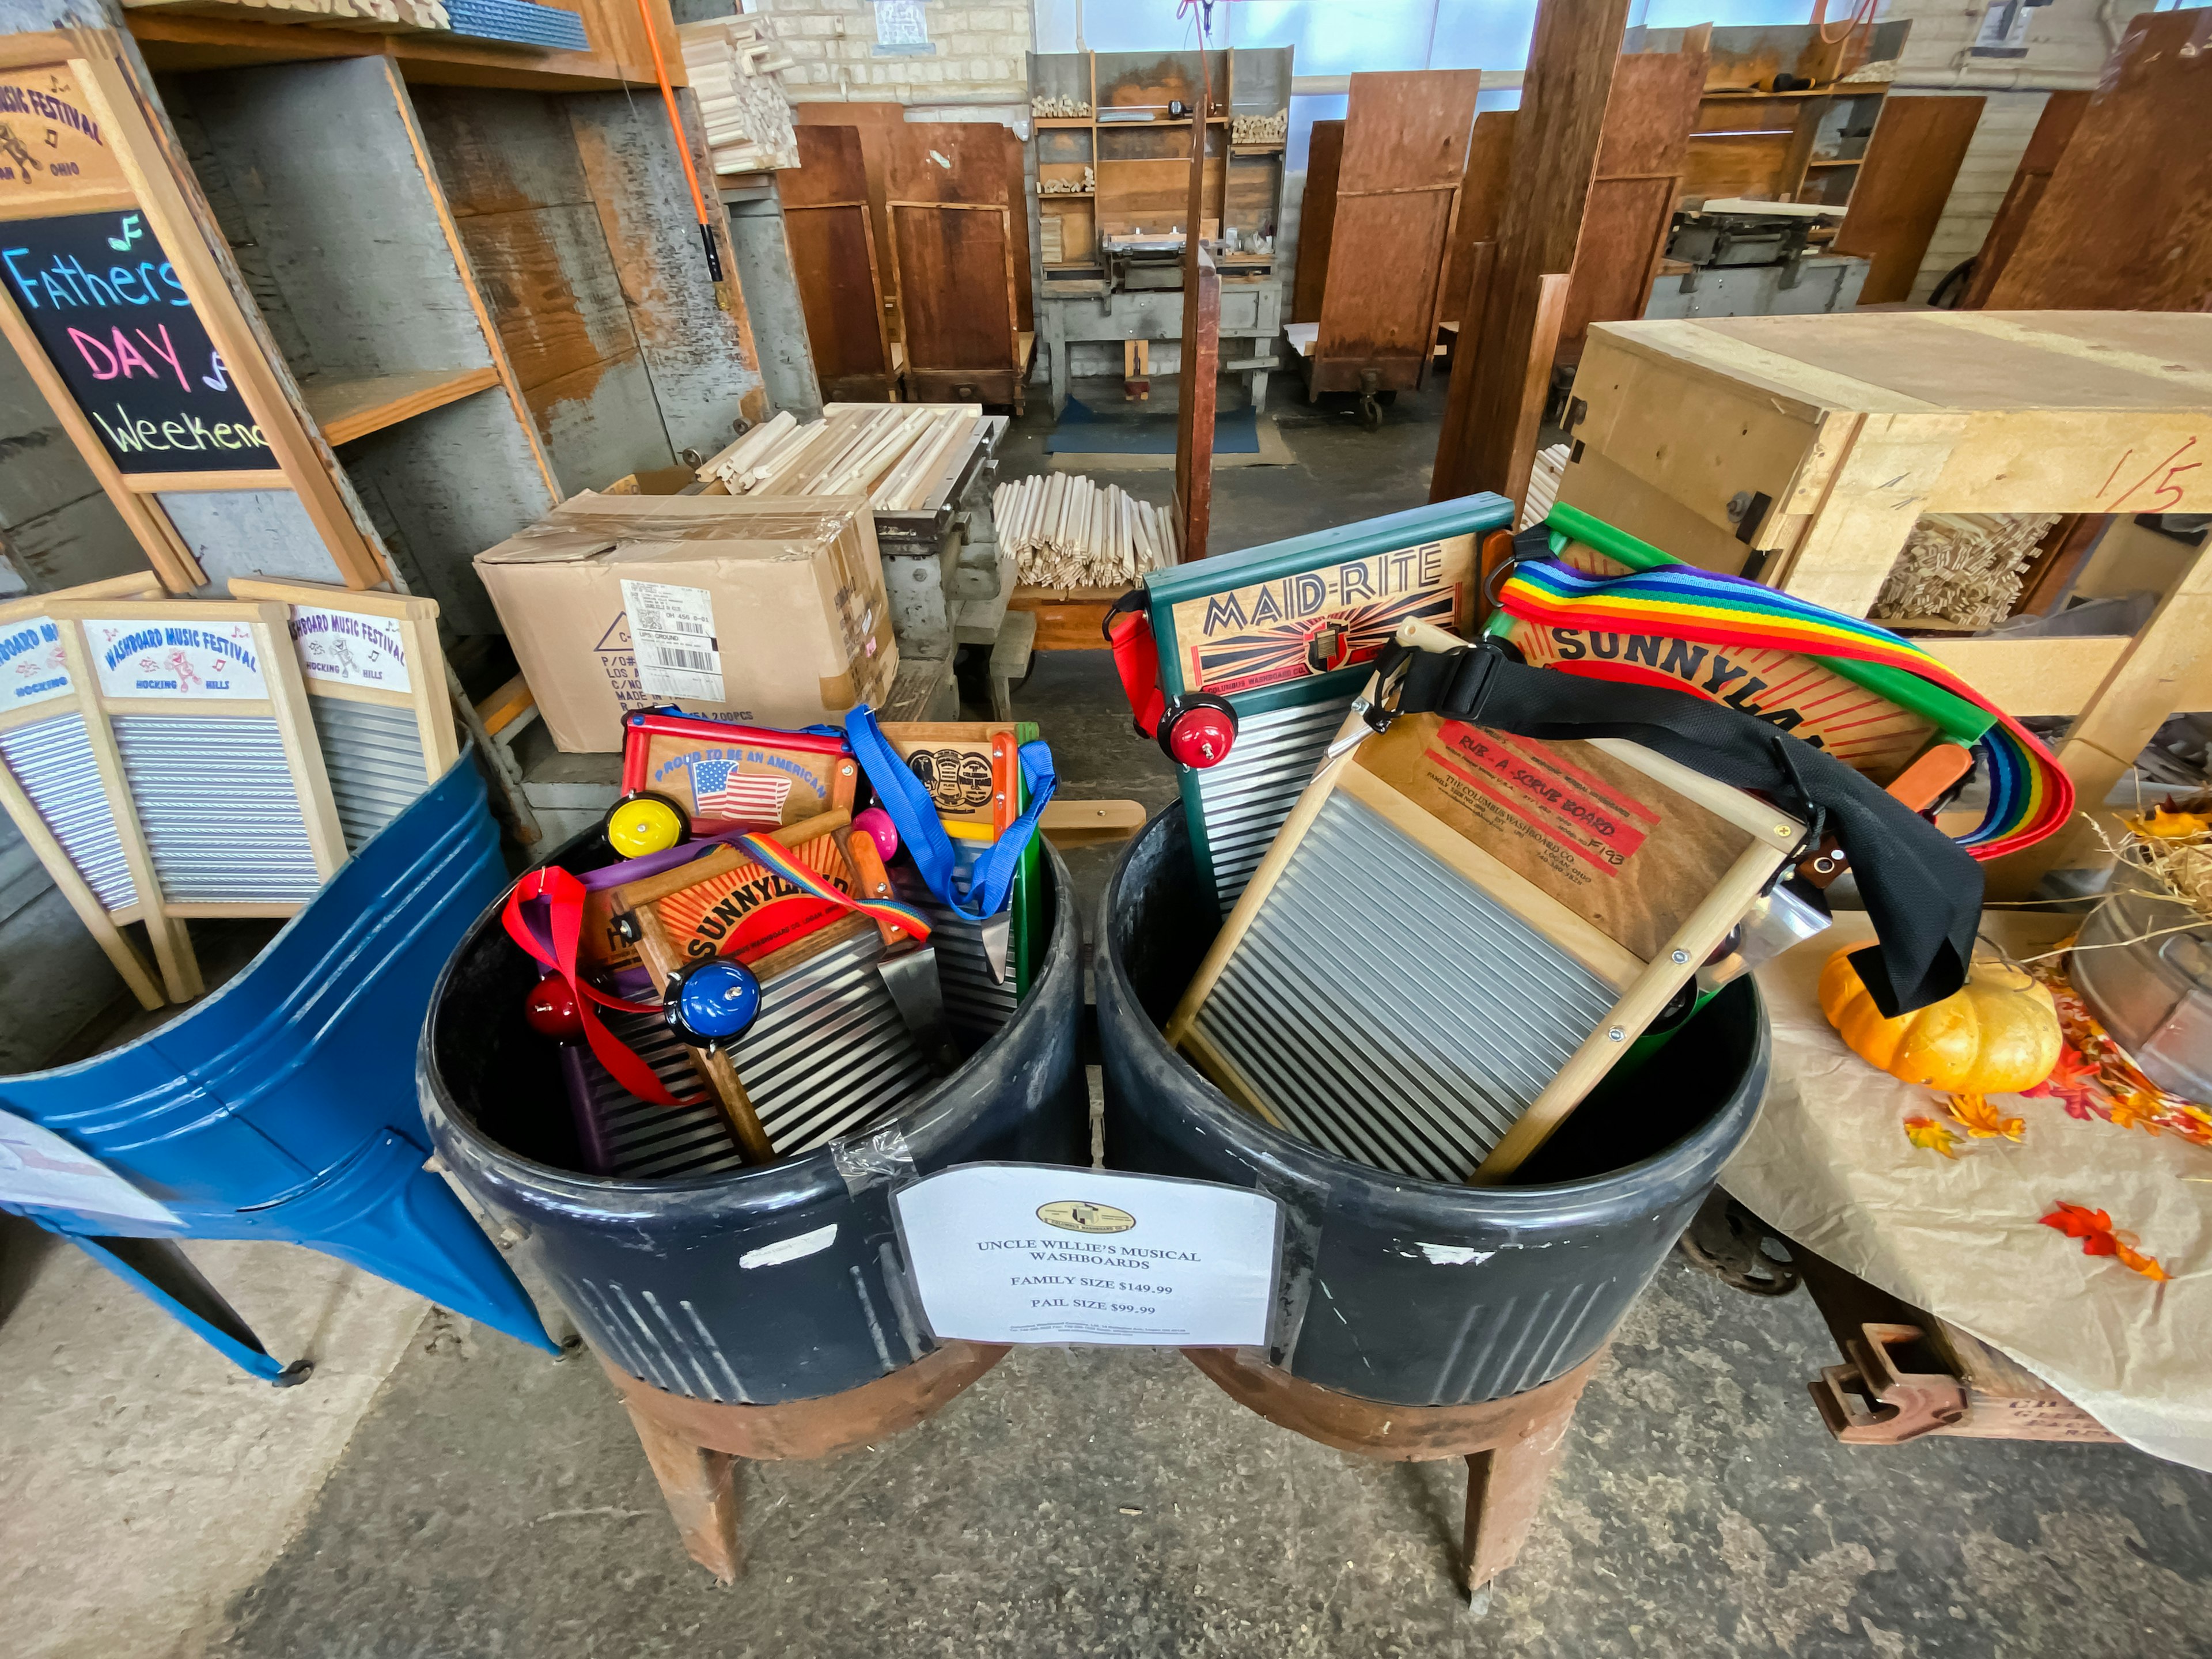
{"x":1872,"y":1403}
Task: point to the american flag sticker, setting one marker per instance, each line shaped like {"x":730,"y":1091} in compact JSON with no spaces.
{"x":719,"y":790}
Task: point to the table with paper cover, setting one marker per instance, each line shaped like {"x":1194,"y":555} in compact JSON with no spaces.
{"x":1959,"y":1230}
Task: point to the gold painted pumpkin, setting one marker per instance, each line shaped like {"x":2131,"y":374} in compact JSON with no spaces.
{"x":1998,"y":1034}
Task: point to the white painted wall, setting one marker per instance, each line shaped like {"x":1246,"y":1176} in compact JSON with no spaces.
{"x":2068,"y":42}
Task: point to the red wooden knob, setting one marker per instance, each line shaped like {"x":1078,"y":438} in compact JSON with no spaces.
{"x":1200,"y":737}
{"x":550,"y":1009}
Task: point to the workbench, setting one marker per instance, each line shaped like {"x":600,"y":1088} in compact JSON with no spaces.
{"x":1801,"y":452}
{"x":1087,"y":312}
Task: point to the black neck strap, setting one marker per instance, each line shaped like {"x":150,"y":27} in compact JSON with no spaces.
{"x":1922,"y":891}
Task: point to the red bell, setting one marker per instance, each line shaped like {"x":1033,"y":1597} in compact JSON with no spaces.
{"x":550,"y":1010}
{"x":1198,"y":730}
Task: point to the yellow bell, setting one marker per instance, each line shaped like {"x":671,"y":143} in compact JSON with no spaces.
{"x":645,"y":824}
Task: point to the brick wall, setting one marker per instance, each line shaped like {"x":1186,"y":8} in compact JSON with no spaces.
{"x":977,"y":54}
{"x":2063,"y":39}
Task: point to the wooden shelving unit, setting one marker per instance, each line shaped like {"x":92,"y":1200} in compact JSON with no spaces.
{"x":1142,"y":167}
{"x":414,"y":272}
{"x":1780,"y":146}
{"x":349,"y":409}
{"x":175,"y":40}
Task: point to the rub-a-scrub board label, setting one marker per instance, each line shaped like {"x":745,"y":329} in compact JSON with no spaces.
{"x":160,"y":658}
{"x":1042,"y":1253}
{"x":1320,"y":620}
{"x":671,"y":630}
{"x":344,"y":647}
{"x":1584,"y":827}
{"x":34,"y":668}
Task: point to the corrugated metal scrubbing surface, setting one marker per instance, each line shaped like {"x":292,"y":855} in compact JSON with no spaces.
{"x":1245,"y":799}
{"x":52,"y":761}
{"x":216,"y":802}
{"x":373,"y":756}
{"x":830,"y":1056}
{"x":976,"y":1004}
{"x":1390,"y":1013}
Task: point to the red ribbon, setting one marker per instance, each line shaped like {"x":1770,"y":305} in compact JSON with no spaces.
{"x":564,"y":905}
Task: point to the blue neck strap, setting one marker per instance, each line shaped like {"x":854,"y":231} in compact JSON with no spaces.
{"x":914,"y":815}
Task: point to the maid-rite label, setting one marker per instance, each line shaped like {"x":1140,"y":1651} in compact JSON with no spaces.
{"x":344,"y":647}
{"x":1042,"y":1253}
{"x":34,"y":668}
{"x":156,"y":656}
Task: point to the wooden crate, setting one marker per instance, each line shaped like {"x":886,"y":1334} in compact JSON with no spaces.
{"x":1802,"y":450}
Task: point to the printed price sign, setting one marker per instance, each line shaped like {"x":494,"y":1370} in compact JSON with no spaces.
{"x":1042,"y":1253}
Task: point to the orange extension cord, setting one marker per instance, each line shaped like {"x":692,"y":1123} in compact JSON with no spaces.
{"x":684,"y":155}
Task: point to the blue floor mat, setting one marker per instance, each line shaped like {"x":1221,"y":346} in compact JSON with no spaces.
{"x":1084,"y":431}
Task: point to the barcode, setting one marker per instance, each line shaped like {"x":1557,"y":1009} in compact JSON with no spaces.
{"x":675,"y":656}
{"x":670,"y":622}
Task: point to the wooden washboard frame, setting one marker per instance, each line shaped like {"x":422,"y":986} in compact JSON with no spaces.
{"x":51,"y":770}
{"x":1722,"y":848}
{"x":388,"y":659}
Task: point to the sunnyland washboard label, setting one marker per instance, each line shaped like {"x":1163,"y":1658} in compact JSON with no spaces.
{"x":1317,"y":621}
{"x":1866,"y":732}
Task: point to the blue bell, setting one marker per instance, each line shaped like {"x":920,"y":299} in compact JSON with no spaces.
{"x":711,"y":1002}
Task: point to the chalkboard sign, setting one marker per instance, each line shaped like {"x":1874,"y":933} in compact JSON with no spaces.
{"x":105,"y":302}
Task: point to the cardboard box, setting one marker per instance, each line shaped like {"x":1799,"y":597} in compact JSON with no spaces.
{"x":772,"y":612}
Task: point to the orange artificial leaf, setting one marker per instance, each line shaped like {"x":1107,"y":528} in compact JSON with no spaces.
{"x":1930,"y":1136}
{"x":1974,"y":1114}
{"x":2165,"y":825}
{"x":2094,"y":1229}
{"x":2138,"y":1111}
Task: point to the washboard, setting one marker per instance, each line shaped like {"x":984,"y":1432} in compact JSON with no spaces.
{"x":1285,"y":633}
{"x":195,"y":712}
{"x":830,"y":1056}
{"x":376,"y":685}
{"x":972,"y":770}
{"x":1459,"y":931}
{"x":70,"y":808}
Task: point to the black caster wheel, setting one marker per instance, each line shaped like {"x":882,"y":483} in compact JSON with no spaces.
{"x":1371,"y":412}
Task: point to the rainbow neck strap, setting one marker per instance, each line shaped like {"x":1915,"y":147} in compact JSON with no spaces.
{"x":2030,"y":795}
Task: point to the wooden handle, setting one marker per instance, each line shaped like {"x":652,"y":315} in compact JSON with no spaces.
{"x":714,"y":1067}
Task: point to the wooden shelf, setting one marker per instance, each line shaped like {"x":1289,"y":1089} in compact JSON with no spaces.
{"x":1065,"y":195}
{"x":346,"y":409}
{"x":1068,"y":121}
{"x":1838,"y":161}
{"x":177,"y":43}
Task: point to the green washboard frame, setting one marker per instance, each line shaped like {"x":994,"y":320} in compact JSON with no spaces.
{"x":1270,"y":628}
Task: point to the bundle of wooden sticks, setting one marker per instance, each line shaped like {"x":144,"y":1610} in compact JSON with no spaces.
{"x":733,"y":63}
{"x":895,"y":454}
{"x":1963,"y":569}
{"x":1066,"y":531}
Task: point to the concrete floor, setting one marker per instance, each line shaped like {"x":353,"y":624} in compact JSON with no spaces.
{"x":493,"y":1502}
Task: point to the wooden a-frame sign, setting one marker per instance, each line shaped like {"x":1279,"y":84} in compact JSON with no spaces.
{"x":113,"y":294}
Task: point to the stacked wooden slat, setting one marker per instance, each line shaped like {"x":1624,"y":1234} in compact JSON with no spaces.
{"x":734,"y":65}
{"x":1066,"y":531}
{"x":895,"y":454}
{"x":1260,"y":129}
{"x":1962,"y":569}
{"x":1543,"y":485}
{"x":378,"y":16}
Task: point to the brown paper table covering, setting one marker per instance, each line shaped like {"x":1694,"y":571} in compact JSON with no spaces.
{"x":1828,"y":1163}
